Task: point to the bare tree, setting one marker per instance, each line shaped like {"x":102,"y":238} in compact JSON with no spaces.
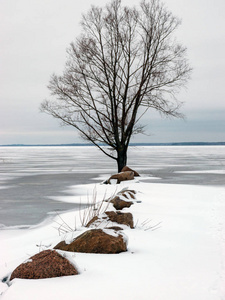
{"x":125,"y":62}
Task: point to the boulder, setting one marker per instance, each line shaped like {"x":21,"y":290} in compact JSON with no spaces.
{"x":126,"y":168}
{"x":122,"y":176}
{"x":96,"y":241}
{"x":119,"y":204}
{"x":46,"y":264}
{"x":115,"y":217}
{"x":121,"y":218}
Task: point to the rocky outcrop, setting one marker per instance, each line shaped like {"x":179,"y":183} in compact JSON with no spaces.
{"x":124,"y":199}
{"x":122,"y":176}
{"x":46,"y":264}
{"x":119,"y":204}
{"x":126,"y":168}
{"x":96,"y":241}
{"x":121,"y":218}
{"x":115,"y":217}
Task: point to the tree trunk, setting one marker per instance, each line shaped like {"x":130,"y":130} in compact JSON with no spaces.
{"x":121,"y":159}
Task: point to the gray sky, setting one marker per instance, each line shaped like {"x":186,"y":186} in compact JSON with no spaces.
{"x":34,"y":35}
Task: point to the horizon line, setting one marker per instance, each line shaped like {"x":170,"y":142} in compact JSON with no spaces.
{"x":131,"y":144}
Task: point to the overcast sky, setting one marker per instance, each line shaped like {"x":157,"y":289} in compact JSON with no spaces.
{"x":34,"y":35}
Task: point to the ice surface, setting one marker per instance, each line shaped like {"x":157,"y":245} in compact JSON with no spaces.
{"x":32,"y":178}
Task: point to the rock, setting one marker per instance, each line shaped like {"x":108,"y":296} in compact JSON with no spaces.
{"x":121,"y":218}
{"x":128,"y":175}
{"x":61,"y":245}
{"x":131,"y":194}
{"x":119,"y":204}
{"x":124,"y":193}
{"x":96,"y":241}
{"x":115,"y":217}
{"x":46,"y":264}
{"x":125,"y":169}
{"x":116,"y":228}
{"x":95,"y":219}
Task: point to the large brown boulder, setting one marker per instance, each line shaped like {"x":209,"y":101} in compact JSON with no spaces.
{"x":122,"y":176}
{"x":46,"y":264}
{"x":126,"y":168}
{"x":121,"y":218}
{"x":119,"y":204}
{"x":96,"y":241}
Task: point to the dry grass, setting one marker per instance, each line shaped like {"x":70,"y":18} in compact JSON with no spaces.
{"x":94,"y":208}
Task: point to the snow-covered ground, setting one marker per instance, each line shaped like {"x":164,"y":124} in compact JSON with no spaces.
{"x":175,"y":252}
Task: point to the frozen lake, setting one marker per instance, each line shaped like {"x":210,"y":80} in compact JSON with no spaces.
{"x":30,"y":177}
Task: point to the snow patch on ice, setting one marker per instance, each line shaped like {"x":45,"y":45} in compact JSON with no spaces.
{"x":202,"y":172}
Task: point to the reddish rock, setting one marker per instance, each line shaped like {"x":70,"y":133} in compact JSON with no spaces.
{"x":131,"y":194}
{"x":124,"y":193}
{"x":121,"y":218}
{"x":126,"y":168}
{"x":93,"y":220}
{"x":96,"y":241}
{"x":116,"y":228}
{"x":128,"y":175}
{"x":61,"y":245}
{"x":116,"y":217}
{"x":46,"y":264}
{"x":129,"y":191}
{"x":119,"y":204}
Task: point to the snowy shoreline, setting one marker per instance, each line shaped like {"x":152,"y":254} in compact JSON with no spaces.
{"x":183,"y":259}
